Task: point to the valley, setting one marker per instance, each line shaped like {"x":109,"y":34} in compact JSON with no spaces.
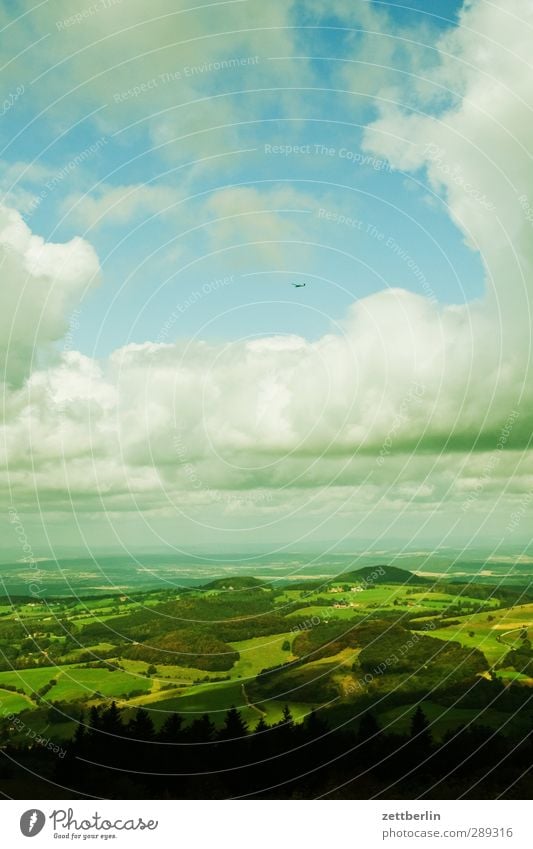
{"x":378,"y":636}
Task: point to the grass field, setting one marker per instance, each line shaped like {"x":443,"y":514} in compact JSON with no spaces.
{"x":288,"y":596}
{"x":96,"y":619}
{"x":401,"y":599}
{"x":78,"y":683}
{"x":215,"y":699}
{"x":490,"y":637}
{"x":31,"y":680}
{"x":474,"y":635}
{"x":513,"y":675}
{"x":168,"y":674}
{"x":444,"y":719}
{"x":97,"y":650}
{"x":13,"y":703}
{"x":260,"y":653}
{"x":325,"y":614}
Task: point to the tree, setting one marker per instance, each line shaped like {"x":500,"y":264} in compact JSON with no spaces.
{"x":152,"y":670}
{"x":171,"y":728}
{"x":314,"y":725}
{"x":261,"y":726}
{"x":286,"y":646}
{"x":94,"y":718}
{"x":141,"y":726}
{"x":368,"y":727}
{"x":111,"y":720}
{"x":234,"y":725}
{"x":286,"y":718}
{"x":80,"y":735}
{"x":201,"y":730}
{"x":420,"y":733}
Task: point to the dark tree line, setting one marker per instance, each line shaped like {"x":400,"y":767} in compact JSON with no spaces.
{"x":116,"y":756}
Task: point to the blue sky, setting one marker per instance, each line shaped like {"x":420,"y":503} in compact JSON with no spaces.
{"x":153,"y":262}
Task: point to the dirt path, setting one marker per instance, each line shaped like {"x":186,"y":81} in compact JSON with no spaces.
{"x":249,"y":704}
{"x":505,"y":633}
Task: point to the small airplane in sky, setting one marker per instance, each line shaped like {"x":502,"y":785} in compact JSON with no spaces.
{"x":298,"y":285}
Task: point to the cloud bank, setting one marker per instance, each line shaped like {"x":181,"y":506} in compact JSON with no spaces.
{"x":375,"y":408}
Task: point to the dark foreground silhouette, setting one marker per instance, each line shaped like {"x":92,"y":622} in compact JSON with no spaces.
{"x":111,"y":757}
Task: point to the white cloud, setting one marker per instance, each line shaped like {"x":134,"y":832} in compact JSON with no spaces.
{"x":110,"y":205}
{"x":160,"y":419}
{"x":41,"y":283}
{"x":477,"y":153}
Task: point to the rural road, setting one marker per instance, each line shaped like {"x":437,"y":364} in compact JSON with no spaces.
{"x":249,"y":704}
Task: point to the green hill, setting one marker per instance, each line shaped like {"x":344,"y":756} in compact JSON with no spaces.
{"x":234,"y":583}
{"x":381,"y":575}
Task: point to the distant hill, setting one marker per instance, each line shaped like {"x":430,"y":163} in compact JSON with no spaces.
{"x":367,"y":574}
{"x":234,"y":583}
{"x":381,"y":575}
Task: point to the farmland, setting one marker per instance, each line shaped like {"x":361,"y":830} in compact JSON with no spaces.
{"x":381,"y":635}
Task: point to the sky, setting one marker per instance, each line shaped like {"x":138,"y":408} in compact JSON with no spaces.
{"x":168,"y":171}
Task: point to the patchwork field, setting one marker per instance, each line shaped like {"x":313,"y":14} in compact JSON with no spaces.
{"x":492,"y":634}
{"x":240,"y":642}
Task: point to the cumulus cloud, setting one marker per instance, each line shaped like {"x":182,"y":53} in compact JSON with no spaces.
{"x":476,"y":156}
{"x":476,"y":153}
{"x":42,"y":282}
{"x":278,"y":412}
